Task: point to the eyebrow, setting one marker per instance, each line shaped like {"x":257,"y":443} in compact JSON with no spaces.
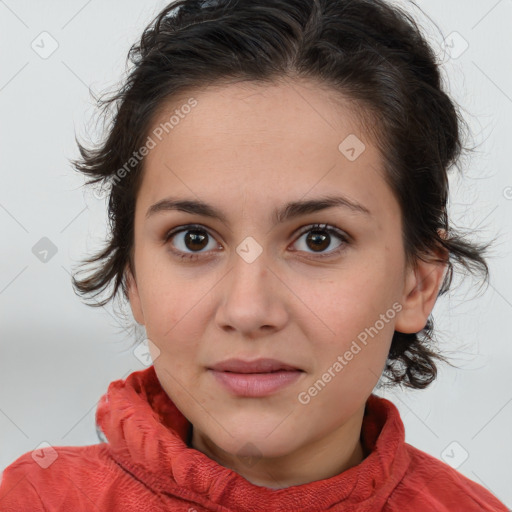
{"x":289,"y":211}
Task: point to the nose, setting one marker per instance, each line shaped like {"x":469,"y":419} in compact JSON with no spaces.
{"x":253,"y":299}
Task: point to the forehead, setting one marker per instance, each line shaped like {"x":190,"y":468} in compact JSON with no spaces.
{"x":261,"y":139}
{"x":255,"y":112}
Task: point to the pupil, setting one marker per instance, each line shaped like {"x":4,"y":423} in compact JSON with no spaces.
{"x":194,"y":239}
{"x":319,"y":239}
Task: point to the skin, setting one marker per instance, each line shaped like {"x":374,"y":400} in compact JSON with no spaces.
{"x":247,"y":149}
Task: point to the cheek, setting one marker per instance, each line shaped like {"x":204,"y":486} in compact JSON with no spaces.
{"x":170,"y":307}
{"x":357,"y":323}
{"x":348,"y":302}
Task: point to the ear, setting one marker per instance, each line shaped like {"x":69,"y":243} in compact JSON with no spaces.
{"x":133,"y":296}
{"x":421,"y":288}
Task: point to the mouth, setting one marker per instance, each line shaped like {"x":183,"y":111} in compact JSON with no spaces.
{"x":255,"y":379}
{"x":256,"y":366}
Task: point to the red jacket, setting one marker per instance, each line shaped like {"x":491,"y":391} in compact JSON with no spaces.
{"x":147,"y":466}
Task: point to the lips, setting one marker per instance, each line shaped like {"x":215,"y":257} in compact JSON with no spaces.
{"x":255,"y":379}
{"x":257,"y":366}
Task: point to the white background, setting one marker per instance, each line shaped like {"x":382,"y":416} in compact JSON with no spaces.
{"x":57,"y":356}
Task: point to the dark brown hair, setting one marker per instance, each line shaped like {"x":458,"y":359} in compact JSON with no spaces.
{"x":368,"y":50}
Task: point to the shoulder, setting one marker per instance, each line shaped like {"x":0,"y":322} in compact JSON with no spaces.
{"x":55,"y":475}
{"x":431,"y":484}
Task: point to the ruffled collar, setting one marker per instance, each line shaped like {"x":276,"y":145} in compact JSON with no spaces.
{"x":148,"y":436}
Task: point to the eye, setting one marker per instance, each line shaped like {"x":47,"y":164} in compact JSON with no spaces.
{"x":192,"y":241}
{"x":193,"y":238}
{"x":320,"y":237}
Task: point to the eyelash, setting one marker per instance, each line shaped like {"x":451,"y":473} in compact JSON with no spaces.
{"x":332,"y":230}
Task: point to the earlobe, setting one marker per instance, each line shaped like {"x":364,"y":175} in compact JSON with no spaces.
{"x":421,"y":288}
{"x":133,"y":296}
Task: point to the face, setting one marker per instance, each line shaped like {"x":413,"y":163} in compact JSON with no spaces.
{"x":248,"y":276}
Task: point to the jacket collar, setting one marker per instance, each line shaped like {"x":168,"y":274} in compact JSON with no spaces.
{"x":148,"y":435}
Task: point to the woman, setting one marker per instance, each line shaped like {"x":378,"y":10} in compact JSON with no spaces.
{"x":277,"y":172}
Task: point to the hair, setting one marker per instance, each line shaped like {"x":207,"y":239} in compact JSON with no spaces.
{"x":368,"y":51}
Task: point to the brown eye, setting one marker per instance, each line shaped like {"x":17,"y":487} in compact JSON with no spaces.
{"x":318,"y":238}
{"x":189,"y":240}
{"x":195,"y":239}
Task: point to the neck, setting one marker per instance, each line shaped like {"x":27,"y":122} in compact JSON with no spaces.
{"x":322,"y":458}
